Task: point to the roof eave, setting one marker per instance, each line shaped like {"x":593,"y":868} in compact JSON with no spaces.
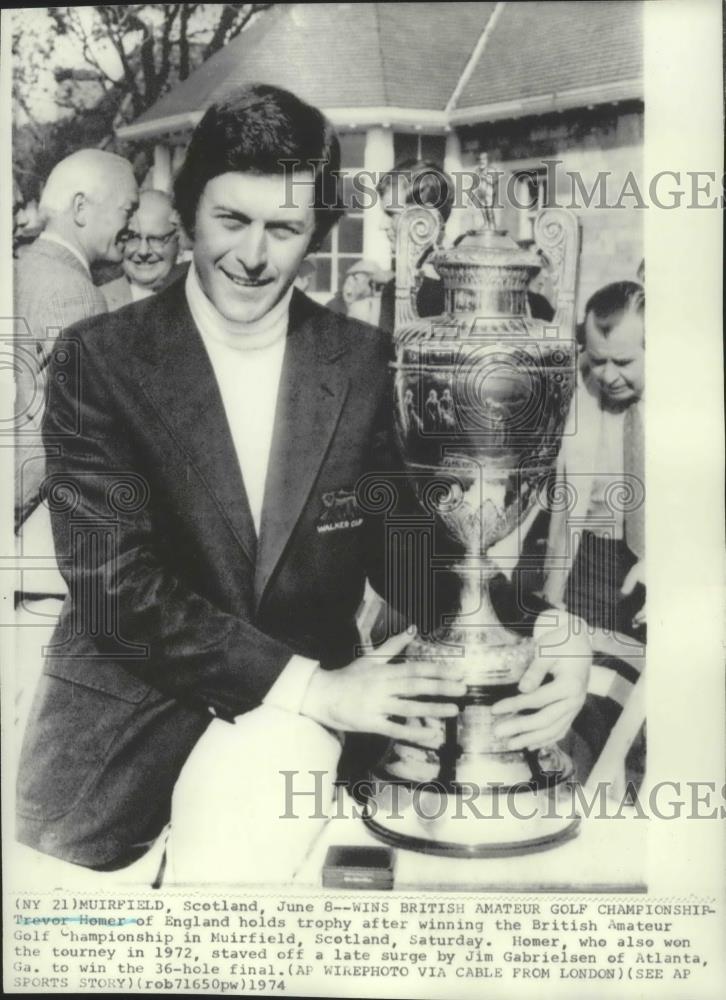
{"x":430,"y":119}
{"x":417,"y":118}
{"x":620,"y":90}
{"x":157,"y":127}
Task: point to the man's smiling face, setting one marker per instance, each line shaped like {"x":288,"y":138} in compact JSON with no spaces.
{"x":151,"y":243}
{"x":251,"y":234}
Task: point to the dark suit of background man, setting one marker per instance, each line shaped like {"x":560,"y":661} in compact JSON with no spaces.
{"x":86,"y":203}
{"x":206,"y":428}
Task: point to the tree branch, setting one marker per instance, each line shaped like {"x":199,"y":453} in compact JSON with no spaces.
{"x":166,"y":47}
{"x":184,"y":52}
{"x":232,"y":20}
{"x":110,"y":17}
{"x":76,"y":26}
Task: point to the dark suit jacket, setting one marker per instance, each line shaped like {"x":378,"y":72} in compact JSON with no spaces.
{"x":53,"y":290}
{"x":175,"y":610}
{"x":429,"y":301}
{"x":117,"y":293}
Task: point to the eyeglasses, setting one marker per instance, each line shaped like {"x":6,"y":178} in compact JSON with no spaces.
{"x":132,"y":241}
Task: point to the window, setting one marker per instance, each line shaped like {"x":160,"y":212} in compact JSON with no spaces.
{"x":344,"y":244}
{"x":530,"y":195}
{"x":416,"y":146}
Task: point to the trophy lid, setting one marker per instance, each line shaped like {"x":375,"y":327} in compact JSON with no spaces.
{"x":486,"y":269}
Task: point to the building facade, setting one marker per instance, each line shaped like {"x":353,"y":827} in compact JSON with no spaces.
{"x":530,"y":84}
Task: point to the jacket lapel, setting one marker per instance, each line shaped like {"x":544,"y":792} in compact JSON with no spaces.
{"x":181,"y":386}
{"x":313,"y":388}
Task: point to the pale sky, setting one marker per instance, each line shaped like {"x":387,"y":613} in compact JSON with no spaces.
{"x":68,"y":53}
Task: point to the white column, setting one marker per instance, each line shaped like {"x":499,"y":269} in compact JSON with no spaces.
{"x":378,"y":158}
{"x":177,"y":157}
{"x":162,"y":167}
{"x":452,"y":154}
{"x":459,"y":219}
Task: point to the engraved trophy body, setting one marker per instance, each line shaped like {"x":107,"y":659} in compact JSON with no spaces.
{"x":481,"y":396}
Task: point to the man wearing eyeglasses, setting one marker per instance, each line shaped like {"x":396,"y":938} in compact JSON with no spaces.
{"x":150,"y":247}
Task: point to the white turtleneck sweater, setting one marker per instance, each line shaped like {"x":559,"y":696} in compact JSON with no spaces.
{"x":247,"y":362}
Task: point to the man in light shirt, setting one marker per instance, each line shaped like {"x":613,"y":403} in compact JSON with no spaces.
{"x":224,"y":428}
{"x":150,"y":248}
{"x":370,"y":280}
{"x":599,"y":571}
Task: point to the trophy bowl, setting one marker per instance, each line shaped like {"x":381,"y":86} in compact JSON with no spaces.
{"x":481,"y":394}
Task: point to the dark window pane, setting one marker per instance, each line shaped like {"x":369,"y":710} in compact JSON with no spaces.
{"x":405,"y":147}
{"x":326,"y":245}
{"x":352,"y":149}
{"x":415,"y":146}
{"x":350,"y":235}
{"x":343,"y":264}
{"x":433,"y":147}
{"x":321,"y":280}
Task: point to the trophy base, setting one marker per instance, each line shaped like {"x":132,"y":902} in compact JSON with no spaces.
{"x":473,"y":797}
{"x":454,"y":823}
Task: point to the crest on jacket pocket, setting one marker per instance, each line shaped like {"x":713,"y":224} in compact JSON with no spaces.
{"x":340,"y":511}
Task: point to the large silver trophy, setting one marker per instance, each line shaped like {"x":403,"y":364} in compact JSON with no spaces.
{"x":481,"y":396}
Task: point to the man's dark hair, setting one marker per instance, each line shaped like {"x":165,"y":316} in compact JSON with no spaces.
{"x":263,"y":130}
{"x":609,"y":304}
{"x":427,"y":185}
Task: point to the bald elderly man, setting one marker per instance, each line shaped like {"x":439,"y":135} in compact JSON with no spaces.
{"x":86,"y":204}
{"x":150,"y":247}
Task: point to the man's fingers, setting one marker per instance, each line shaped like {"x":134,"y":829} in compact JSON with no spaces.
{"x":540,"y":738}
{"x":411,"y":687}
{"x":419,"y":709}
{"x":393,"y":646}
{"x":535,"y":672}
{"x":425,"y":736}
{"x":546,"y":694}
{"x":546,"y":717}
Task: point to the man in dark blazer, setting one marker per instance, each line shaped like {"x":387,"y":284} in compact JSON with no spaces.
{"x":199,"y":436}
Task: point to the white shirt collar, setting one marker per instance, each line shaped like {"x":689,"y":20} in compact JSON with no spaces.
{"x":139,"y":292}
{"x":242,"y":336}
{"x":51,"y":237}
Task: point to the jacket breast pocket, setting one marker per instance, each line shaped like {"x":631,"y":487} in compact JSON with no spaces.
{"x":82,"y":712}
{"x":99,"y":674}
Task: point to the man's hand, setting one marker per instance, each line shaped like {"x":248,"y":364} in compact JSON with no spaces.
{"x":635,"y":576}
{"x":567,"y":657}
{"x":364,"y":696}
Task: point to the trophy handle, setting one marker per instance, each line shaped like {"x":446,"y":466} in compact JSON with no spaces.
{"x":557,"y":235}
{"x":417,"y":231}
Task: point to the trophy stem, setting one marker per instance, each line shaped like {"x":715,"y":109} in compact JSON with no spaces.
{"x":477,"y":611}
{"x":473,"y":763}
